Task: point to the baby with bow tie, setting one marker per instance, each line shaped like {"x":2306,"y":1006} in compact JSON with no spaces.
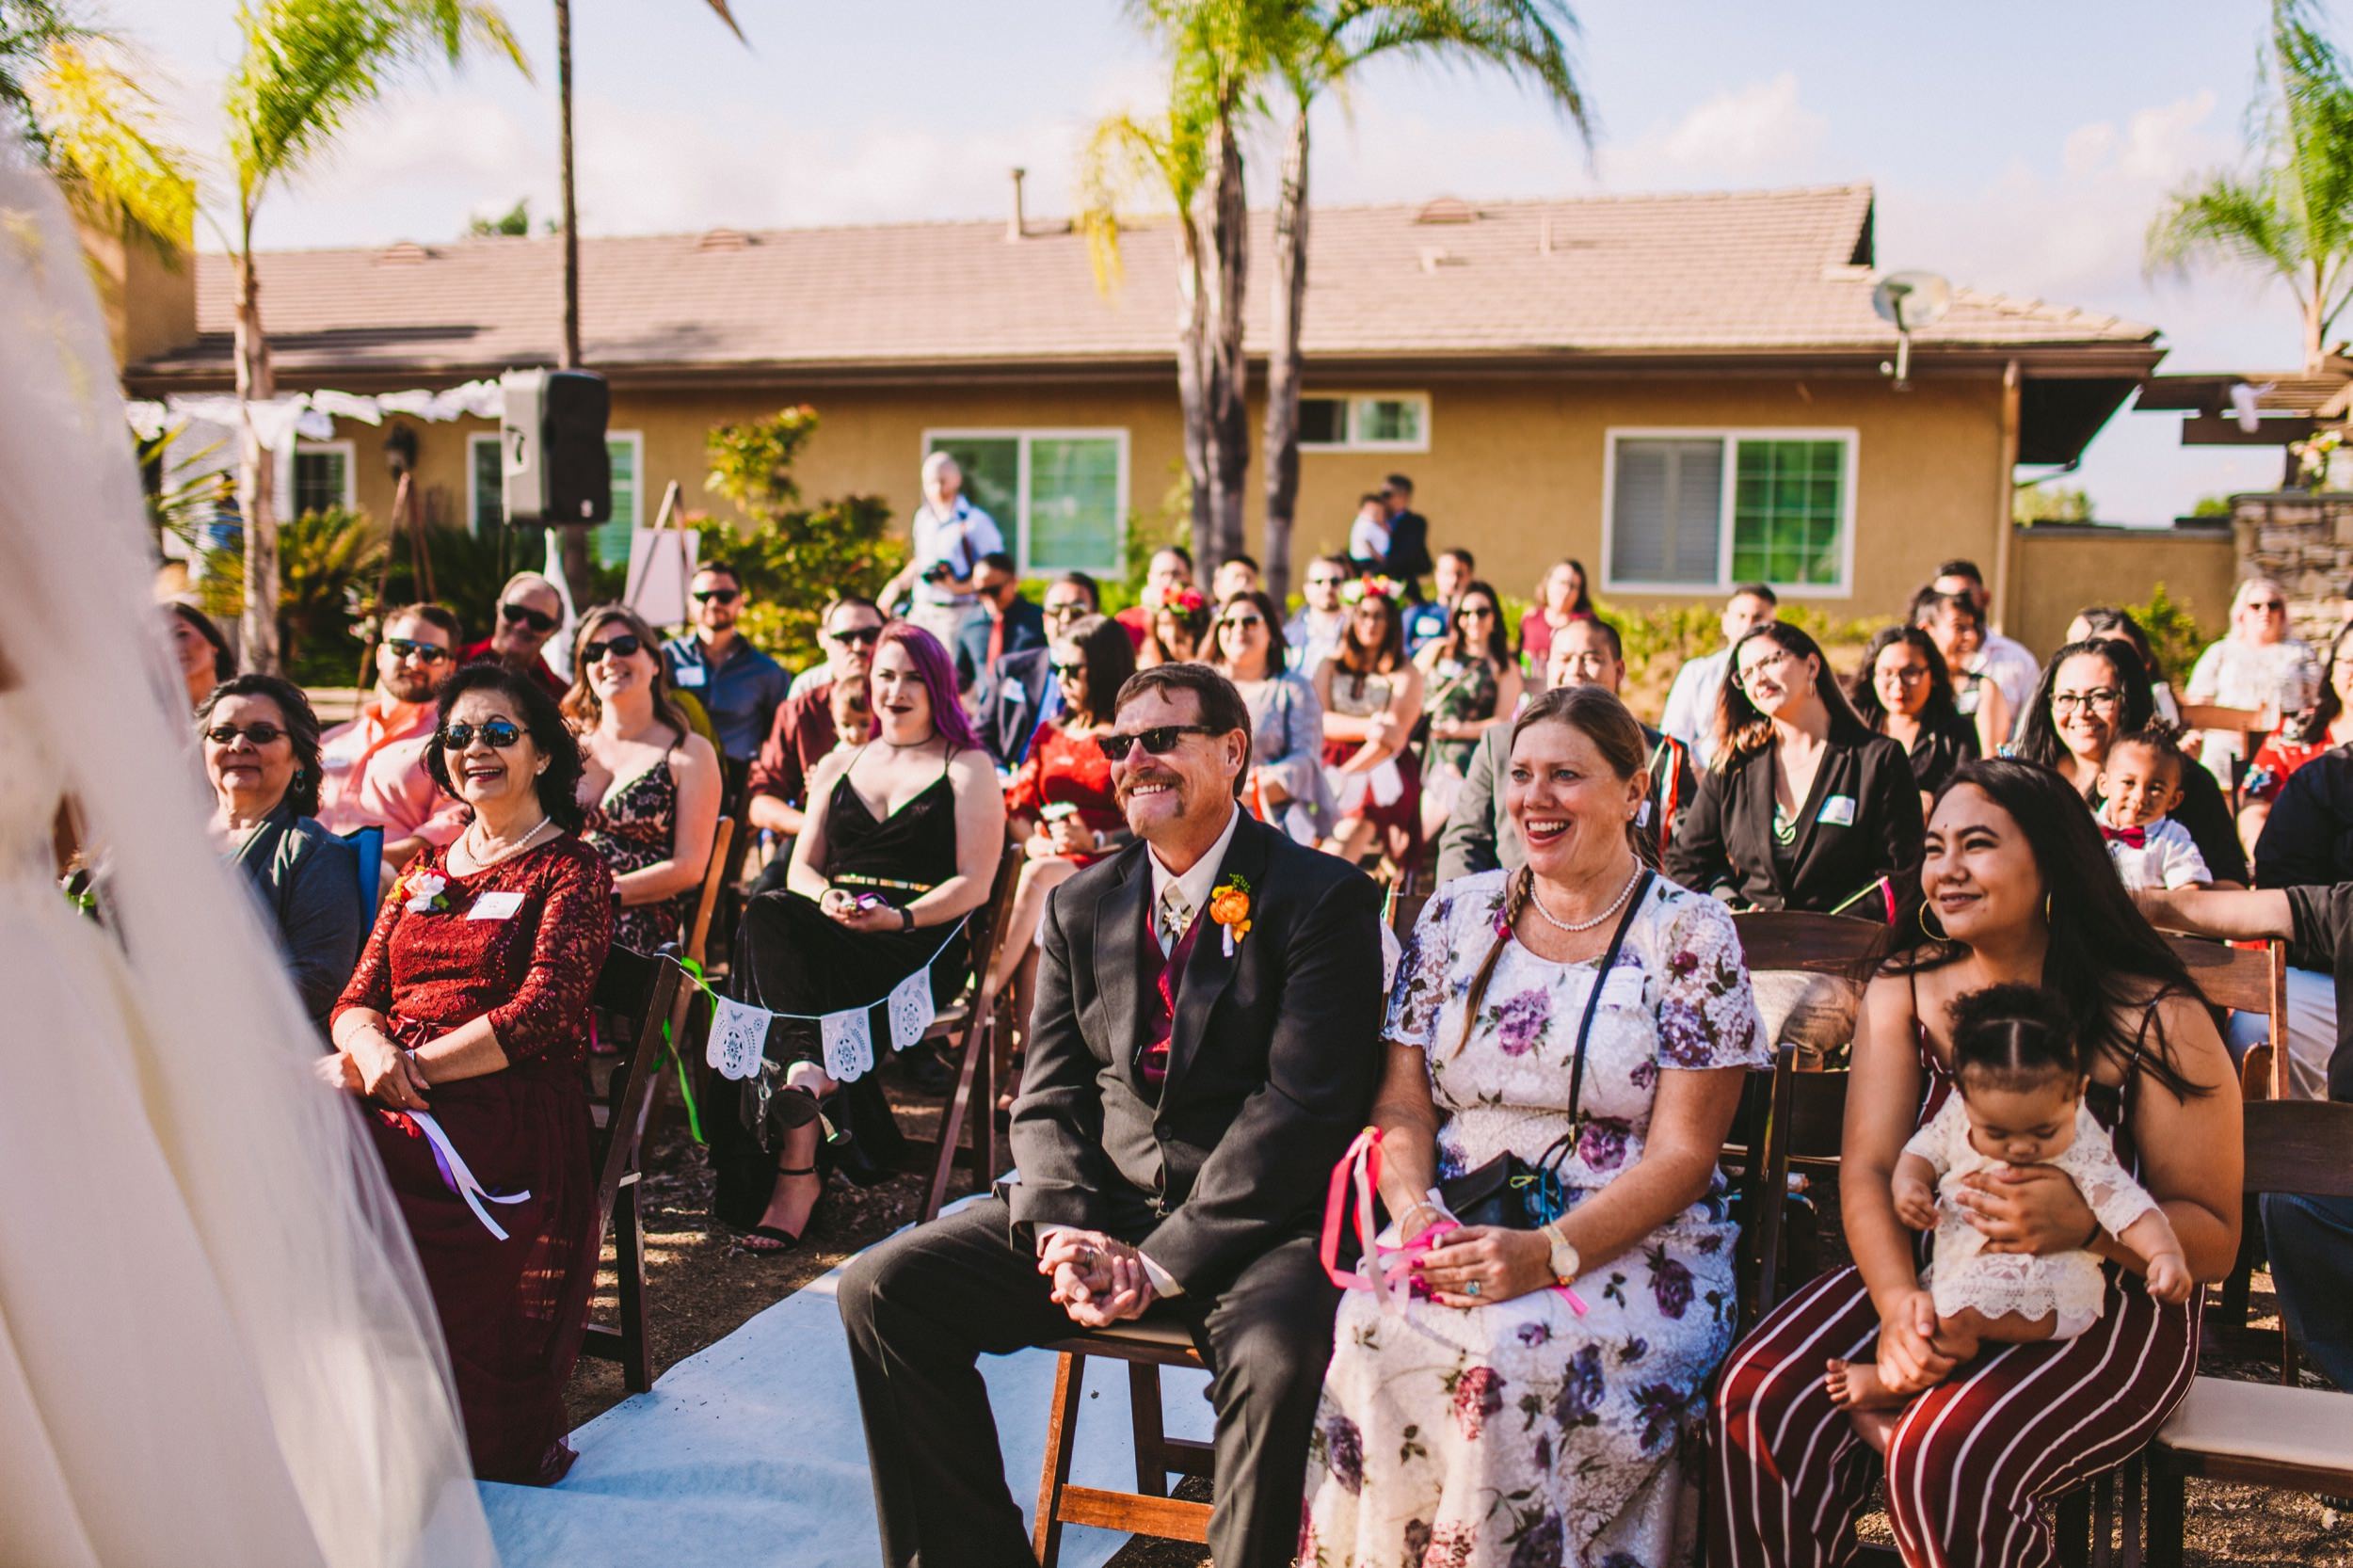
{"x":2140,"y":783}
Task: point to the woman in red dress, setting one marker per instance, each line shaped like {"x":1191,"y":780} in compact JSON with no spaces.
{"x":2298,"y":740}
{"x":471,"y":1002}
{"x":1060,"y":805}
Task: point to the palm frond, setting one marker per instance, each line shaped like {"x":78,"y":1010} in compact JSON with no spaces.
{"x":102,"y":141}
{"x":1527,"y":39}
{"x":1127,"y":165}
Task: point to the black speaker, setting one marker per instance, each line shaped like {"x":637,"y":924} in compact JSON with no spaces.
{"x":557,"y":469}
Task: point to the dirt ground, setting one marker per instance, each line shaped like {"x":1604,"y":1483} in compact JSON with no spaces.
{"x":700,"y":1288}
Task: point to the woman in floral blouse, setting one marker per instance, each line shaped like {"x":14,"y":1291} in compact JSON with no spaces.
{"x":1484,"y":1421}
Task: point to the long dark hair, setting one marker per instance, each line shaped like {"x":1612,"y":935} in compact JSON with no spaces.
{"x":1741,"y":730}
{"x":1864,"y":691}
{"x":2037,"y":735}
{"x":224,"y":665}
{"x":1279,"y":647}
{"x":1583,"y":603}
{"x":1353,"y":657}
{"x":2312,"y":728}
{"x":1109,"y":657}
{"x":2105,"y":961}
{"x":301,"y":727}
{"x":1498,"y":648}
{"x":2105,"y":623}
{"x":558,"y":785}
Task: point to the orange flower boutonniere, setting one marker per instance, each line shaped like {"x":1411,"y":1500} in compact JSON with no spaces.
{"x":1229,"y":906}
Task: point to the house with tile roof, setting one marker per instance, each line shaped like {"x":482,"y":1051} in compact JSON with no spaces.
{"x":1683,"y":390}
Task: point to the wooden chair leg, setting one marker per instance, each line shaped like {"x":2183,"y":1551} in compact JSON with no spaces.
{"x":953,"y":1117}
{"x":1062,"y":1425}
{"x":2166,"y":1489}
{"x":2237,"y":1287}
{"x":983,"y":1109}
{"x":629,"y":1260}
{"x":1144,"y":1410}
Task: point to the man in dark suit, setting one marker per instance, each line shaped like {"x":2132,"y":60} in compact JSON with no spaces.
{"x":1408,"y":559}
{"x":1007,"y":623}
{"x":1190,"y":1085}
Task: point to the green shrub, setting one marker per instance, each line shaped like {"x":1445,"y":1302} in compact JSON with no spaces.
{"x":2174,"y":635}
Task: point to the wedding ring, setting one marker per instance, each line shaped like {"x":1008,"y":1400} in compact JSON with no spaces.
{"x":1471,"y":1289}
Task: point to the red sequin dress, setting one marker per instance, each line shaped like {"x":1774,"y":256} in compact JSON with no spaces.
{"x":1065,"y":768}
{"x":509,"y":1309}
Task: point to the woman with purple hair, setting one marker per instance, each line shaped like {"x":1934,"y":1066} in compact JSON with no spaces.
{"x":901,"y":843}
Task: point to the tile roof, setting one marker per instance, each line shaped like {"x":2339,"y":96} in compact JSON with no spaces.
{"x":1738,"y":272}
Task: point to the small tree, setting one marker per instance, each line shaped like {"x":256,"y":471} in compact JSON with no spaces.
{"x":69,"y":89}
{"x":2050,"y":503}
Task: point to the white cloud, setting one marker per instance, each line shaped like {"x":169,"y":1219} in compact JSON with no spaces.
{"x":1759,"y":128}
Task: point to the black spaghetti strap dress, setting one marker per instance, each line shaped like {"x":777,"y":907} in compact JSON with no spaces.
{"x":793,"y":957}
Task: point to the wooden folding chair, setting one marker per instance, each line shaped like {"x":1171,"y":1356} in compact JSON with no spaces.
{"x":698,"y":931}
{"x":1145,"y":1346}
{"x":642,"y":992}
{"x":2256,"y":1434}
{"x":973,"y":1022}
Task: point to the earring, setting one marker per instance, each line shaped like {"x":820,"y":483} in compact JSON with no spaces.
{"x":2046,"y":908}
{"x":1925,"y":930}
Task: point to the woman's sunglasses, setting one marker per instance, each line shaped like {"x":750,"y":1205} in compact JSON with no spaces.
{"x":1067,"y":670}
{"x":523,"y":614}
{"x":1243,"y":620}
{"x":260,"y":734}
{"x":623,"y":647}
{"x":424,"y":654}
{"x":1159,"y":740}
{"x":497,"y":734}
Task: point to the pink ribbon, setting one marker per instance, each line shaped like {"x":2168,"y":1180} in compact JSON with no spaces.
{"x":1360,"y":1168}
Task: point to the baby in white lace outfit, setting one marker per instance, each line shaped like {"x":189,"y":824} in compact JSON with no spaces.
{"x":2018,"y":1100}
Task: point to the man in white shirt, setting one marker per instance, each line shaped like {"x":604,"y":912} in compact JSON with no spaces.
{"x":1690,"y":713}
{"x":2006,"y":662}
{"x":949,"y":536}
{"x":1314,"y":634}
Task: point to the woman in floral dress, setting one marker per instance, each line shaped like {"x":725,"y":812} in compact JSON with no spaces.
{"x":1470,"y":683}
{"x":1483,"y":1420}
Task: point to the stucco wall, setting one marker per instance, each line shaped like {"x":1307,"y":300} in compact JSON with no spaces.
{"x":2058,"y":570}
{"x":1515,"y":466}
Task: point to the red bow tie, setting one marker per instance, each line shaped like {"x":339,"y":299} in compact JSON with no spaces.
{"x":2137,"y":838}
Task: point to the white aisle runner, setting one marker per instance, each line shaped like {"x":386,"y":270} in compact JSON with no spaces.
{"x":751,"y":1454}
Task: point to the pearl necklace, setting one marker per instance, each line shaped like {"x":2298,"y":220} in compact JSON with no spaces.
{"x":485,"y":862}
{"x":1574,"y":928}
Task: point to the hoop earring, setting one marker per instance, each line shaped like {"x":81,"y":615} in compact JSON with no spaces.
{"x":2046,"y":908}
{"x":1931,"y":935}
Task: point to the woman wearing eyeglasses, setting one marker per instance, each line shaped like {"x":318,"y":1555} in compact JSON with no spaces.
{"x":1804,"y":807}
{"x":1286,"y":784}
{"x":2248,"y":681}
{"x":1470,"y":685}
{"x":1905,"y":692}
{"x":650,"y":785}
{"x":471,"y":1002}
{"x":261,"y":753}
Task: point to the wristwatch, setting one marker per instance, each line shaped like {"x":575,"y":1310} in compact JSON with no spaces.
{"x":1566,"y":1261}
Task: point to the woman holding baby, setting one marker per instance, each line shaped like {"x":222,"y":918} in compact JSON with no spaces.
{"x":1986,"y":1401}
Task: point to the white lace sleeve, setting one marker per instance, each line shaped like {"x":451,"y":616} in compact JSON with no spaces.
{"x":2115,"y":1199}
{"x":1946,"y":1130}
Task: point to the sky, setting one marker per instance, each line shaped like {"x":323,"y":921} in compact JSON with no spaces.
{"x":2020,"y":148}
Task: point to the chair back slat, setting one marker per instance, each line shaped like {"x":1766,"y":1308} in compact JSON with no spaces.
{"x":2299,"y":1146}
{"x":2235,"y":978}
{"x":1819,"y":944}
{"x":1405,"y":912}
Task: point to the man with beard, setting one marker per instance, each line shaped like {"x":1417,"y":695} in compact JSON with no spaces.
{"x":374,"y":767}
{"x":1204,"y":1044}
{"x":739,"y":686}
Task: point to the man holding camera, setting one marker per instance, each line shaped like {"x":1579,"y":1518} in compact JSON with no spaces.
{"x":951,"y":537}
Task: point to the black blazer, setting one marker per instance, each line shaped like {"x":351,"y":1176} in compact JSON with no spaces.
{"x":1940,"y":751}
{"x":1272,"y":1066}
{"x":1725,"y":839}
{"x":1005,"y":703}
{"x":1025,"y":628}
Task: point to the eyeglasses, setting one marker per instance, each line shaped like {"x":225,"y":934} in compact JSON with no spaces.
{"x":858,"y":637}
{"x":424,"y":654}
{"x":1159,"y":740}
{"x":1768,"y":662}
{"x":623,"y":647}
{"x":2099,"y":696}
{"x":1231,"y":621}
{"x":260,"y":734}
{"x":523,"y":614}
{"x":716,"y":595}
{"x":497,"y":733}
{"x":1325,"y":581}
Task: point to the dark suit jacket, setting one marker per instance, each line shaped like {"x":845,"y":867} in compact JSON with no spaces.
{"x":1005,"y":703}
{"x":309,"y":881}
{"x":1271,"y":1069}
{"x":1025,"y":628}
{"x":1725,"y":839}
{"x":1409,"y":548}
{"x":1479,"y":835}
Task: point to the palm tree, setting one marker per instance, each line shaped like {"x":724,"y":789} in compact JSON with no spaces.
{"x":69,"y":89}
{"x":1326,"y":42}
{"x":307,"y":67}
{"x":2290,"y":214}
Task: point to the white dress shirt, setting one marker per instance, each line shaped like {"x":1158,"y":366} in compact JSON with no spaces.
{"x":1691,"y":711}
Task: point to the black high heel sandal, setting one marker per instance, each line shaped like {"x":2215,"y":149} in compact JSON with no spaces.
{"x":784,"y":1239}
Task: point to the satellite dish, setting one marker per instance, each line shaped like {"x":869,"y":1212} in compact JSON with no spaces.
{"x":1909,"y":301}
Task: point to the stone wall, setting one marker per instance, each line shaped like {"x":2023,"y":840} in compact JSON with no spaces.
{"x":2306,"y":541}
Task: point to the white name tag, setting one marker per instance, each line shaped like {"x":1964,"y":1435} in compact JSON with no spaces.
{"x":1622,"y":989}
{"x":495,"y":906}
{"x":1838,"y":812}
{"x":329,"y":762}
{"x":691,"y":675}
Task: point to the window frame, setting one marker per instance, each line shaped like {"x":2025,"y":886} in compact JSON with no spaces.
{"x":1022,"y":435}
{"x":475,"y":440}
{"x":1352,"y":399}
{"x":1731,"y":436}
{"x":636,"y":442}
{"x":342,"y":446}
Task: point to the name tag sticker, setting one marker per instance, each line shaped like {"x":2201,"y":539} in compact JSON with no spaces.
{"x":1624,"y":988}
{"x":1838,"y":812}
{"x":1011,"y":693}
{"x":329,"y":762}
{"x":691,"y":675}
{"x":495,"y":906}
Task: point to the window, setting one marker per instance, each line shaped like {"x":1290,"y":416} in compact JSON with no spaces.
{"x":1707,"y":510}
{"x":1059,"y":496}
{"x":322,"y":477}
{"x":1366,"y":422}
{"x":627,"y":450}
{"x":486,"y":505}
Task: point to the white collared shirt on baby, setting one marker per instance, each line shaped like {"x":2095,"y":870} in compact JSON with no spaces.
{"x":2166,"y":856}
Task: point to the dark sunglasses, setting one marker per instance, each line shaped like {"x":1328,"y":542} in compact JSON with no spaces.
{"x":715,"y":596}
{"x":260,"y":734}
{"x":523,"y":614}
{"x":498,"y":733}
{"x":623,"y":647}
{"x":2265,"y":605}
{"x":1159,"y":740}
{"x":861,"y":636}
{"x":425,"y":654}
{"x":1068,"y":670}
{"x":1243,"y":620}
{"x":1476,"y":612}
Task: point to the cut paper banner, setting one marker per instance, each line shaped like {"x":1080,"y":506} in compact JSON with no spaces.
{"x":739,"y":1035}
{"x":849,"y":1045}
{"x":910,"y":1009}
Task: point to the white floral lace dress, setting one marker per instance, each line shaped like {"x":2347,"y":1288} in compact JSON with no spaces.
{"x":1962,"y":1273}
{"x":1519,"y":1434}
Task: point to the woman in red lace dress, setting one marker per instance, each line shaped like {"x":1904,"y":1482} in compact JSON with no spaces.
{"x":471,"y":1002}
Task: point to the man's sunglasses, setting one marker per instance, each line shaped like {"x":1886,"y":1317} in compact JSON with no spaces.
{"x":424,"y":654}
{"x":623,"y":647}
{"x":497,"y":734}
{"x":260,"y":734}
{"x":858,"y":637}
{"x":715,"y":596}
{"x":1159,"y":740}
{"x":523,"y":614}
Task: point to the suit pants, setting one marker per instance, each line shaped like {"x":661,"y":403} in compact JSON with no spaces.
{"x":924,"y":1306}
{"x":2311,"y":1244}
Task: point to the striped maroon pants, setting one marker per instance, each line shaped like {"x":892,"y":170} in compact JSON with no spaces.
{"x":1970,"y":1460}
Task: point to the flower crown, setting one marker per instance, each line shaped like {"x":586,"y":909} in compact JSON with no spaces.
{"x":1377,"y":587}
{"x":1184,"y":601}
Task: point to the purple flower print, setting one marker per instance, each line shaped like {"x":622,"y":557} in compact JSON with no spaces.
{"x":1540,"y":1548}
{"x":1683,"y":963}
{"x":1670,"y":1282}
{"x":1451,"y":1546}
{"x":1602,"y":1145}
{"x":1344,"y":1454}
{"x":1543,"y":1451}
{"x":1533,"y":1335}
{"x":1478,"y":1394}
{"x":1580,"y":1395}
{"x":1683,"y":1037}
{"x":1643,"y":1074}
{"x":1633,"y":1350}
{"x":1659,"y":1406}
{"x":1520,"y":1021}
